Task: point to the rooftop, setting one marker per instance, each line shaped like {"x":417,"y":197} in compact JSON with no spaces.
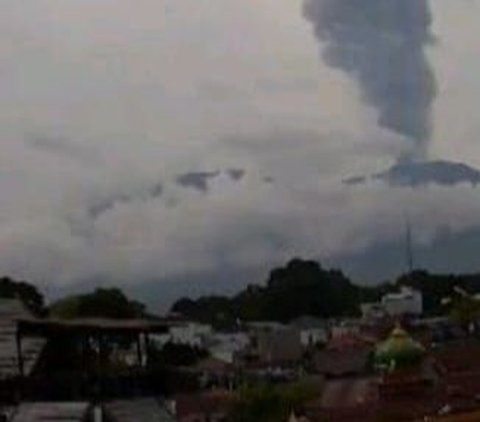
{"x":46,"y":326}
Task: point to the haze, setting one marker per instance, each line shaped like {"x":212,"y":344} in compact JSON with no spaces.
{"x":150,"y":141}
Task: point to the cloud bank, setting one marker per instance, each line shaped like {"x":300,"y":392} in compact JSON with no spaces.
{"x":166,"y":140}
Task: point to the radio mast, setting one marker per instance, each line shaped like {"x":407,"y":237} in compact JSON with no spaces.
{"x":408,"y":245}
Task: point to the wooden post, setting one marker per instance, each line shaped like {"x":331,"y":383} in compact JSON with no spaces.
{"x":147,"y":348}
{"x":139,"y":350}
{"x":21,"y":369}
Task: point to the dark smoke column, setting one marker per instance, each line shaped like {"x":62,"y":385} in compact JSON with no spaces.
{"x":381,"y":44}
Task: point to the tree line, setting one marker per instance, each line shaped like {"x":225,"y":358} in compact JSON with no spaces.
{"x":301,"y":287}
{"x":304,"y":287}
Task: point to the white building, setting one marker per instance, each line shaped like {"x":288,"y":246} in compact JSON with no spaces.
{"x":225,"y":346}
{"x":190,"y":333}
{"x":405,"y":302}
{"x":373,"y":311}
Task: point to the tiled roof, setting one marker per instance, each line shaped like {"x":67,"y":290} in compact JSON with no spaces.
{"x":348,"y":393}
{"x":352,"y":340}
{"x":92,"y":324}
{"x":458,"y":356}
{"x":209,"y":403}
{"x":342,"y":362}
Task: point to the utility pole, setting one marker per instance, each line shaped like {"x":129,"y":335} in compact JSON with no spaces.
{"x":409,"y":249}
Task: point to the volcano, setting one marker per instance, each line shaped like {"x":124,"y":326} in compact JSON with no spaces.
{"x":421,"y":173}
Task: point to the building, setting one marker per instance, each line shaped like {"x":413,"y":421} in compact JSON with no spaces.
{"x":189,"y":333}
{"x":225,"y":346}
{"x":405,"y":302}
{"x":275,"y":344}
{"x":313,"y":331}
{"x":212,"y":406}
{"x":410,"y":383}
{"x":12,"y":310}
{"x":343,"y":356}
{"x":373,"y":312}
{"x":345,"y":328}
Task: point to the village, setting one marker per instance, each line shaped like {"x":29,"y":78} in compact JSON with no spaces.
{"x":389,"y":364}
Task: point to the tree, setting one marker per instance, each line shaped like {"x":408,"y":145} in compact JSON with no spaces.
{"x":300,"y":288}
{"x":104,"y":303}
{"x":26,"y":292}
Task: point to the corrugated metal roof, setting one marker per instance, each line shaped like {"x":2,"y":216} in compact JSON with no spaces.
{"x":91,"y":324}
{"x":144,"y":409}
{"x":51,"y":412}
{"x":10,"y":311}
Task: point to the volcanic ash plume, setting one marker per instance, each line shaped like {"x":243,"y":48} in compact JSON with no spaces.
{"x":381,"y":44}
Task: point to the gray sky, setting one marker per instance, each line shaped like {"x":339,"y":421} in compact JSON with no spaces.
{"x":104,"y":104}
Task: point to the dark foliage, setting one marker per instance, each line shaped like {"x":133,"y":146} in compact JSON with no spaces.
{"x":27,"y":293}
{"x":106,"y":303}
{"x":302,"y":287}
{"x":305,"y":288}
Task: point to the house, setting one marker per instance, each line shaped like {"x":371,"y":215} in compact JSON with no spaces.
{"x":343,"y":356}
{"x":345,"y":328}
{"x":411,"y":383}
{"x":190,"y":333}
{"x":12,"y":310}
{"x":312,"y":330}
{"x":277,"y":345}
{"x":225,"y":346}
{"x":372,"y":312}
{"x":405,"y":302}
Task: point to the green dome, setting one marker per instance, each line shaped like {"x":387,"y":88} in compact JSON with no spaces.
{"x":399,"y":350}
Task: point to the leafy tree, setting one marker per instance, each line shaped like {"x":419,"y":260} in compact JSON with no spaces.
{"x":26,"y":292}
{"x":106,"y":303}
{"x":465,"y":311}
{"x":299,"y":288}
{"x":306,"y":288}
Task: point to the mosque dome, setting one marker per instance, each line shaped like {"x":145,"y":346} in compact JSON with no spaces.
{"x":398,"y":350}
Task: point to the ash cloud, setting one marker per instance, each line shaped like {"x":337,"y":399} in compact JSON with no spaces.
{"x":236,"y":174}
{"x":382,"y":44}
{"x":197,"y":180}
{"x":200,"y":180}
{"x":417,"y":174}
{"x":105,"y":204}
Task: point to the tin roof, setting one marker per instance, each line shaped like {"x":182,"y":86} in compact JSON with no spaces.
{"x":47,"y":326}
